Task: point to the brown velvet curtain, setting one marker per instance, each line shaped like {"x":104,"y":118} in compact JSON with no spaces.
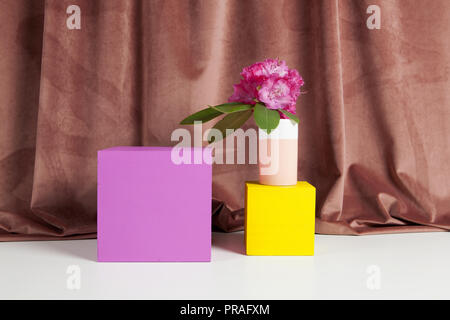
{"x":375,"y":121}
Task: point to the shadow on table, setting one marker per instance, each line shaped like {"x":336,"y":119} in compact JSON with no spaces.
{"x":87,"y":249}
{"x":234,"y":242}
{"x":84,"y":249}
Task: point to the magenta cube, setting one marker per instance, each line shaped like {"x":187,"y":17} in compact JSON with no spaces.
{"x":152,"y":209}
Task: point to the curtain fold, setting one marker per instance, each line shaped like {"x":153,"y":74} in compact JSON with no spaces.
{"x":374,"y":119}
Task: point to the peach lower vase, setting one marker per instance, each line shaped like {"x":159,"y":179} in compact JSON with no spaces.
{"x":278,"y":154}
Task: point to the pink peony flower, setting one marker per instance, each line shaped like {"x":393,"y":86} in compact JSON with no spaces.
{"x":275,"y":67}
{"x":275,"y":92}
{"x":295,"y":81}
{"x":254,"y":72}
{"x":291,"y":109}
{"x":244,"y":92}
{"x":270,"y":82}
{"x":260,"y":71}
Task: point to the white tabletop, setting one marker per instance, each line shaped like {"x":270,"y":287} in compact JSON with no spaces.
{"x":375,"y":267}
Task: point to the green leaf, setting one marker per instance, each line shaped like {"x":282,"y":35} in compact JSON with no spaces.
{"x":232,"y":107}
{"x":265,"y":118}
{"x":203,"y":115}
{"x":291,"y":116}
{"x":233,"y":121}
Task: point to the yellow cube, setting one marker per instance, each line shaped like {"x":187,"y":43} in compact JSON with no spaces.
{"x":279,"y":220}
